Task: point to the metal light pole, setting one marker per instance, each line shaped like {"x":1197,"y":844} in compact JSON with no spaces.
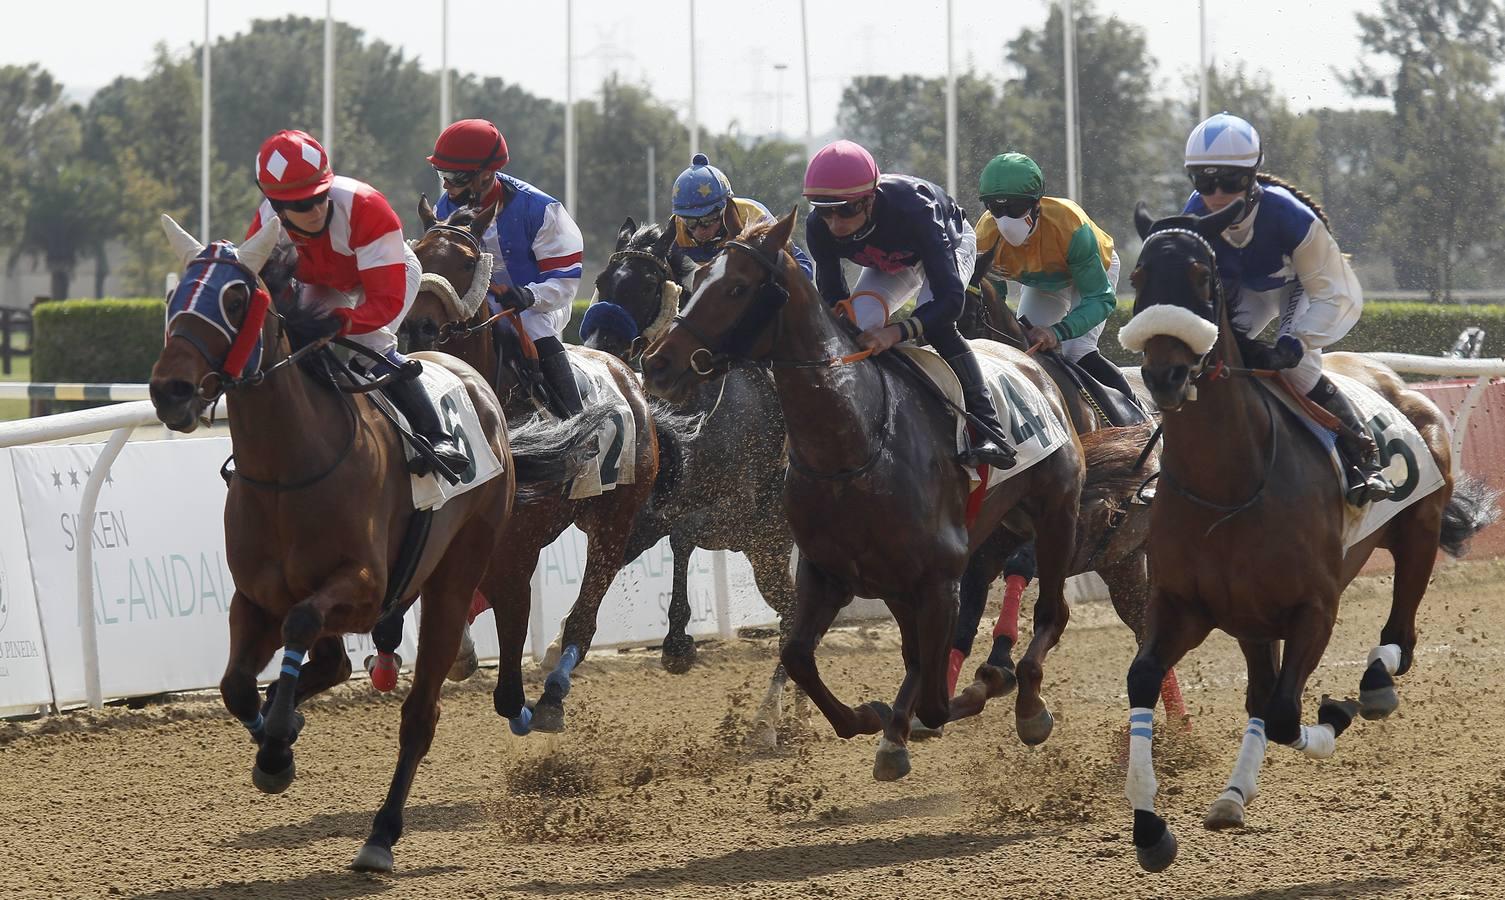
{"x":778,"y":116}
{"x":652,"y":181}
{"x":950,"y":109}
{"x":205,"y":104}
{"x":694,"y":123}
{"x":805,"y":49}
{"x":1068,"y":34}
{"x":444,"y":115}
{"x":569,"y":106}
{"x":1202,"y":63}
{"x":328,"y":134}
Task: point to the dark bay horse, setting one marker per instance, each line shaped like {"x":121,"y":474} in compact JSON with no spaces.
{"x":318,"y":509}
{"x":449,"y":253}
{"x":723,"y":488}
{"x":1246,"y":532}
{"x":1111,"y":529}
{"x":875,"y":499}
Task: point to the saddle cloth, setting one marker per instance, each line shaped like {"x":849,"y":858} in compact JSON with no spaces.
{"x":1033,"y":429}
{"x":616,"y":457}
{"x":1408,"y":461}
{"x":459,"y":417}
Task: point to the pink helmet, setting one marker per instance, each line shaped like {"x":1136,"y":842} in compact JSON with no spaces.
{"x":840,"y":171}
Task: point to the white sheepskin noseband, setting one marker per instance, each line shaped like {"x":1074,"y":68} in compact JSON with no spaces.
{"x":1173,"y":321}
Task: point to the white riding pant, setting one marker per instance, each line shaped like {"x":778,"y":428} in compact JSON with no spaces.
{"x":1045,"y":308}
{"x":878,"y":294}
{"x":321,"y":300}
{"x":1252,"y":311}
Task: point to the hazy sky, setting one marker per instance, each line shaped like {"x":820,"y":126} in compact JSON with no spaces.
{"x":87,"y":43}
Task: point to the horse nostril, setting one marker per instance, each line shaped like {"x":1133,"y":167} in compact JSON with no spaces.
{"x":174,"y":391}
{"x":1178,"y":374}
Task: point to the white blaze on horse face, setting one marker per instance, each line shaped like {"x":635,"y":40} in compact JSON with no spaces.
{"x":713,"y":276}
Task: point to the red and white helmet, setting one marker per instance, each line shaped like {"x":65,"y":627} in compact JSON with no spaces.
{"x":840,"y":171}
{"x":292,"y":166}
{"x":469,"y":145}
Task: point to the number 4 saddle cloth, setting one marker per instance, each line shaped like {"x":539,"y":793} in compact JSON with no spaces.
{"x":1034,"y":430}
{"x":1408,"y":462}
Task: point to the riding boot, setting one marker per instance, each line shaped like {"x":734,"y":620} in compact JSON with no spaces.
{"x":415,"y":403}
{"x":988,"y":445}
{"x":1366,"y":482}
{"x":1107,"y":374}
{"x":561,"y":377}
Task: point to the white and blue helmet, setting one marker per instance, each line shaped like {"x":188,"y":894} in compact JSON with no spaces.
{"x":1223,"y":140}
{"x":701,"y":189}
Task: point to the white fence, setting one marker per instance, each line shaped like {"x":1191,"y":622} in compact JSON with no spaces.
{"x":106,"y":561}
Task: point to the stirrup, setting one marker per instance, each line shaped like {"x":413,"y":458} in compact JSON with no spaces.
{"x":1370,"y":486}
{"x":988,"y":452}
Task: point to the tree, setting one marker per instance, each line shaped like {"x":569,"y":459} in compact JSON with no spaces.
{"x":1443,"y":178}
{"x":35,"y":126}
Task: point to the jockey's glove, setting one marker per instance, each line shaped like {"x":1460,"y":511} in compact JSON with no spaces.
{"x":518,"y":298}
{"x":345,"y":318}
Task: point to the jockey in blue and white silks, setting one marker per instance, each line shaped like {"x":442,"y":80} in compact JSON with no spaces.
{"x":701,"y":195}
{"x":1280,"y":259}
{"x":533,"y":236}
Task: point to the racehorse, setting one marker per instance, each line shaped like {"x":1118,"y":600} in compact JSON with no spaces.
{"x":875,"y":500}
{"x":1111,"y":529}
{"x":1247,"y":530}
{"x":318,"y":509}
{"x":723,"y":488}
{"x":449,"y":253}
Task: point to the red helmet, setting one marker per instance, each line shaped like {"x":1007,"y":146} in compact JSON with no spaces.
{"x":469,"y":145}
{"x":292,"y":166}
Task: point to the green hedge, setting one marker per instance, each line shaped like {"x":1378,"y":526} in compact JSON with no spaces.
{"x":96,"y":341}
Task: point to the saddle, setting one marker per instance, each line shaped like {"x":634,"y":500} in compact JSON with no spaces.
{"x":1111,"y":403}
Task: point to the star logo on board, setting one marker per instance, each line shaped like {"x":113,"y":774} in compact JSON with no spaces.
{"x":57,"y":479}
{"x":72,"y":478}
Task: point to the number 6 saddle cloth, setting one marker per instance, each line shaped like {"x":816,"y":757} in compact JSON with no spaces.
{"x":1033,"y":429}
{"x":1408,"y":461}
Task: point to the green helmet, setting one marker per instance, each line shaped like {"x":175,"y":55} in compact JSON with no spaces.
{"x":1011,"y":175}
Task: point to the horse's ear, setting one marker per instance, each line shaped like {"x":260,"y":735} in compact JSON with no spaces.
{"x":259,"y":246}
{"x":984,"y":263}
{"x":1143,"y":221}
{"x":1201,"y":280}
{"x":731,"y":218}
{"x":426,"y":212}
{"x":1213,"y":225}
{"x":783,"y":229}
{"x":664,"y":243}
{"x":185,"y":245}
{"x":482,"y":221}
{"x":628,"y":229}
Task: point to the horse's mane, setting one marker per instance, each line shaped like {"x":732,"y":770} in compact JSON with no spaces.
{"x":1112,"y":452}
{"x":1307,"y":199}
{"x":650,"y":234}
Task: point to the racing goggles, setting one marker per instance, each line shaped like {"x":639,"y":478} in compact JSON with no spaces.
{"x":1230,"y":181}
{"x":307,"y":204}
{"x":1010,"y":207}
{"x":838,"y":209}
{"x":695,"y":223}
{"x":455,"y":179}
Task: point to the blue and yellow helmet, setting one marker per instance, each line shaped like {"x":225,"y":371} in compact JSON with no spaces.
{"x":701,"y":189}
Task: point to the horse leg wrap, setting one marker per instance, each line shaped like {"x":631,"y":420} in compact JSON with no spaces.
{"x":1140,"y":786}
{"x":1317,"y":741}
{"x":557,"y":685}
{"x":1008,"y":615}
{"x":478,"y":605}
{"x":257,"y":726}
{"x":1389,"y":655}
{"x":954,"y":670}
{"x":1242,"y":784}
{"x":278,"y":725}
{"x":1175,"y":707}
{"x":383,"y":670}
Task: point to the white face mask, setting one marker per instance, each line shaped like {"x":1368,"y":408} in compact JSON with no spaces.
{"x":1015,"y":231}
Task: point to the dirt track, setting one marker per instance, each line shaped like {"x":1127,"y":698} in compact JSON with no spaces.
{"x":651,"y":795}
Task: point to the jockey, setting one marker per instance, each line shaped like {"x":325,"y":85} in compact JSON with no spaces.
{"x":532,"y":234}
{"x":912,"y":239}
{"x":1279,"y":259}
{"x":353,"y":264}
{"x":701,"y":194}
{"x":1065,"y":263}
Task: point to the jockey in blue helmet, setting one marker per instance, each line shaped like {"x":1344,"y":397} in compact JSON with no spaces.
{"x":702,"y":194}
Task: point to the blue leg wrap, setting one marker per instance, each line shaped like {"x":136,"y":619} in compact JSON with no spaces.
{"x":522,"y":723}
{"x":558,"y":681}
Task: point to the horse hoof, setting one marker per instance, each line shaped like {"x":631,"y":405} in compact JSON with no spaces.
{"x":762,"y":736}
{"x":1224,"y":813}
{"x":1034,"y":730}
{"x":548,"y":718}
{"x":678,"y":655}
{"x":891,"y":763}
{"x":999,"y":681}
{"x":372,"y":858}
{"x":919,"y":731}
{"x":1378,"y":703}
{"x":273,"y":783}
{"x":1159,"y":856}
{"x":466,"y":665}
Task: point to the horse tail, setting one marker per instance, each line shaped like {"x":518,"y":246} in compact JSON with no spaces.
{"x":1111,"y":454}
{"x":548,"y":451}
{"x":677,"y":433}
{"x":1473,"y":507}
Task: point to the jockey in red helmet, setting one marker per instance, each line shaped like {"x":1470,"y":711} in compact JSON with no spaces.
{"x":532,"y":234}
{"x":353,"y":264}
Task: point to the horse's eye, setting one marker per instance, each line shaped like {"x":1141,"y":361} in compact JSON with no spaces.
{"x":235,"y":305}
{"x":737,"y":290}
{"x":470,"y":265}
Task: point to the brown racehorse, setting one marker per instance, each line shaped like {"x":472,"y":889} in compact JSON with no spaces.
{"x":317,"y":511}
{"x":451,"y":251}
{"x":1246,"y":530}
{"x":875,"y":499}
{"x":1111,"y":529}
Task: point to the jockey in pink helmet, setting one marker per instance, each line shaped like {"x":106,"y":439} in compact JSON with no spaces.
{"x":913,"y":241}
{"x":354,"y":267}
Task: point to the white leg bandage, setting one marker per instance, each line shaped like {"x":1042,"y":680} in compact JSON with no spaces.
{"x":1243,"y":783}
{"x":1141,"y":786}
{"x":1317,"y":741}
{"x":1389,"y":654}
